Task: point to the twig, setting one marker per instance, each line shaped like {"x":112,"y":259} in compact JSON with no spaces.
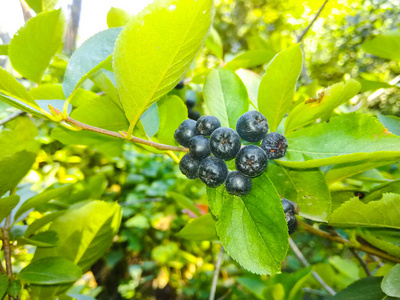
{"x":361,"y":261}
{"x":300,"y":38}
{"x":2,"y":270}
{"x":118,"y":135}
{"x":216,"y":274}
{"x":7,"y":248}
{"x":339,"y":239}
{"x":12,"y":117}
{"x":304,"y":261}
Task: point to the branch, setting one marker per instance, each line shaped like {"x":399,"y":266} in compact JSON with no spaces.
{"x":2,"y":270}
{"x":12,"y":117}
{"x":339,"y":239}
{"x":216,"y":273}
{"x":361,"y":261}
{"x":7,"y":248}
{"x":304,"y":261}
{"x":134,"y":139}
{"x":300,"y":38}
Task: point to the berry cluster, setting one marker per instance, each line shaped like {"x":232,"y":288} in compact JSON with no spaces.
{"x":206,"y":137}
{"x":290,"y":208}
{"x":190,"y":103}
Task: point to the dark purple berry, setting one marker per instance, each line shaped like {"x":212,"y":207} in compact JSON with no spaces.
{"x":251,"y":161}
{"x":185,"y":132}
{"x":213,"y":171}
{"x":180,"y":85}
{"x":252,"y":126}
{"x":289,"y":206}
{"x":238,"y":184}
{"x":189,"y":166}
{"x":291,"y":223}
{"x":275,"y":145}
{"x":199,"y":147}
{"x":190,"y":103}
{"x":225,"y":143}
{"x":194,"y":115}
{"x":207,"y":124}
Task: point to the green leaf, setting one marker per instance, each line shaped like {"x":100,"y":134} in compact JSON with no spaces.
{"x":385,"y":239}
{"x":385,"y":45}
{"x":252,"y":82}
{"x":3,"y":49}
{"x":85,"y":232}
{"x":156,"y":48}
{"x":33,"y":46}
{"x":364,"y":289}
{"x":89,"y":58}
{"x":256,"y":286}
{"x":253,"y":228}
{"x":305,"y":187}
{"x":150,"y":120}
{"x":371,"y":85}
{"x":42,"y":239}
{"x":214,"y":43}
{"x":41,"y":5}
{"x":3,"y":284}
{"x":277,"y":87}
{"x":391,"y":282}
{"x":15,"y":94}
{"x":117,"y":17}
{"x":199,"y":229}
{"x":225,"y":96}
{"x":250,"y":59}
{"x":169,"y":122}
{"x":321,"y":108}
{"x":378,"y":191}
{"x":14,"y":288}
{"x":105,"y":81}
{"x":7,"y":204}
{"x":185,"y":202}
{"x":39,"y":223}
{"x":42,"y":198}
{"x":50,"y":270}
{"x":381,"y":213}
{"x":103,"y":113}
{"x":346,"y":138}
{"x":13,"y":168}
{"x":49,"y":91}
{"x":392,"y":123}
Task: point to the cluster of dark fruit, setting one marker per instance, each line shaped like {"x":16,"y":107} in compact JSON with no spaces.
{"x":290,"y":208}
{"x":206,"y":137}
{"x":190,"y":103}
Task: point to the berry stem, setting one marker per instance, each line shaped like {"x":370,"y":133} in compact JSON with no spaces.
{"x":133,"y":139}
{"x":173,"y":156}
{"x":216,"y":274}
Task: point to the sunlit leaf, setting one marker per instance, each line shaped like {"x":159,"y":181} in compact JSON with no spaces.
{"x":391,"y":282}
{"x":41,"y":5}
{"x":214,"y":43}
{"x":250,"y":59}
{"x":117,"y":17}
{"x":385,"y":45}
{"x":199,"y":229}
{"x":7,"y":204}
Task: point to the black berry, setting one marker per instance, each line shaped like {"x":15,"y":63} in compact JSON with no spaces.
{"x":180,"y":85}
{"x":275,"y":145}
{"x":185,"y":132}
{"x":238,"y":184}
{"x":207,"y":124}
{"x":194,"y":115}
{"x":251,"y":161}
{"x":190,"y":103}
{"x":289,"y":206}
{"x":189,"y":166}
{"x":360,"y":195}
{"x":225,"y":143}
{"x":213,"y":171}
{"x":199,"y":147}
{"x":291,"y":223}
{"x":252,"y":126}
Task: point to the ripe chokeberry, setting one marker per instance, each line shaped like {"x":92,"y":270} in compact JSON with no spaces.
{"x":289,"y":206}
{"x":213,"y":171}
{"x":252,"y":126}
{"x":190,"y":103}
{"x":291,"y":223}
{"x":180,"y":85}
{"x":275,"y":145}
{"x":207,"y":124}
{"x":185,"y":132}
{"x":189,"y":166}
{"x":194,"y":115}
{"x":199,"y":147}
{"x":225,"y":143}
{"x":238,"y":184}
{"x":251,"y":161}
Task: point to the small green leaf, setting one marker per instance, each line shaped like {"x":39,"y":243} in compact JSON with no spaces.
{"x":156,"y":48}
{"x":14,"y":288}
{"x":377,"y":192}
{"x":346,"y":138}
{"x":50,"y":270}
{"x":385,"y":45}
{"x":106,"y":82}
{"x":381,"y":213}
{"x":89,"y":58}
{"x":3,"y":285}
{"x":214,"y":43}
{"x":7,"y":204}
{"x":41,"y":5}
{"x":49,"y":91}
{"x":44,"y":197}
{"x":39,"y":223}
{"x":391,"y":282}
{"x":364,"y":289}
{"x":253,"y":228}
{"x":321,"y":108}
{"x":392,"y":123}
{"x":43,"y":239}
{"x":385,"y":239}
{"x":199,"y":229}
{"x":370,"y":85}
{"x":278,"y":85}
{"x":225,"y":96}
{"x":185,"y":202}
{"x":150,"y":120}
{"x":250,"y":59}
{"x":117,"y":17}
{"x":305,"y":187}
{"x":33,"y":46}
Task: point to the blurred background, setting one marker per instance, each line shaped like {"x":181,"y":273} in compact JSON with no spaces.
{"x":147,"y":260}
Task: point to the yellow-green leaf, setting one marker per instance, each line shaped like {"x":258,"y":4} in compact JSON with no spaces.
{"x":117,"y":17}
